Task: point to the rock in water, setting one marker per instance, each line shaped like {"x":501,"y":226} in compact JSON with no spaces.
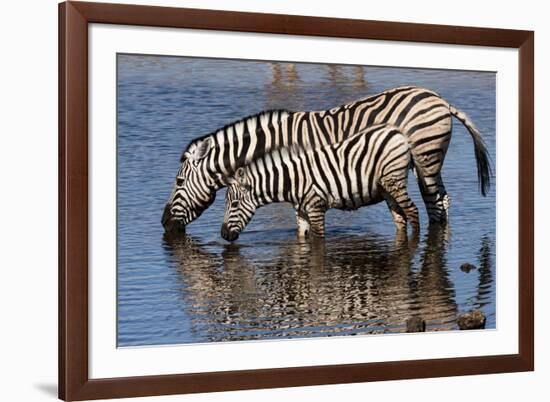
{"x":474,"y":319}
{"x":467,"y":267}
{"x":416,"y":324}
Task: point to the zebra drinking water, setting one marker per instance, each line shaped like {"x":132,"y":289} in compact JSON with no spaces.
{"x":364,"y":169}
{"x":421,"y":115}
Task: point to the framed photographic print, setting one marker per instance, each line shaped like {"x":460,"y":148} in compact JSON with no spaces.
{"x":259,"y":200}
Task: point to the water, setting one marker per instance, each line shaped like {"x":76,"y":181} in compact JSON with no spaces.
{"x":268,"y":285}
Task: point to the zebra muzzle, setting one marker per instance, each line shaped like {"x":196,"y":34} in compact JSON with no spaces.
{"x":170,"y":224}
{"x":229,"y":235}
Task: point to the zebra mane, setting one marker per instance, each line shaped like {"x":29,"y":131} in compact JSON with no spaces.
{"x":269,"y":113}
{"x":288,"y":151}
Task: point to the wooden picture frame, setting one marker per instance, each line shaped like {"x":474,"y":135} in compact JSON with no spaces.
{"x":74,"y":381}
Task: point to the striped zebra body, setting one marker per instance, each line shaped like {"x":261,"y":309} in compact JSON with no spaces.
{"x":420,"y":114}
{"x":364,"y":169}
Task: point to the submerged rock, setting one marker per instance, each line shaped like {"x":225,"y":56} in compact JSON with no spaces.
{"x":416,"y":324}
{"x":467,"y":267}
{"x":474,"y":319}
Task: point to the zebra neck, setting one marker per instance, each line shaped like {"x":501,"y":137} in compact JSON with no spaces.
{"x":245,"y":141}
{"x":257,"y":196}
{"x":266,"y":189}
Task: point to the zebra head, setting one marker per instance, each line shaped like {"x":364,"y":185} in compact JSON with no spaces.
{"x":194,"y":189}
{"x":239,"y":205}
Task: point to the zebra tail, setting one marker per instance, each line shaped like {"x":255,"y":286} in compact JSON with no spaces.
{"x":484,"y":170}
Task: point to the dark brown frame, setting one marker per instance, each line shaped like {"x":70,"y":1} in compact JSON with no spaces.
{"x":74,"y":383}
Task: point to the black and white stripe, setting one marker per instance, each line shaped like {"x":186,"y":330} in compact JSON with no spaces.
{"x":420,"y":114}
{"x":364,"y":169}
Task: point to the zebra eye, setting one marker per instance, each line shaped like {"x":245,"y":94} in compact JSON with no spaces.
{"x":234,"y":204}
{"x":179,"y":182}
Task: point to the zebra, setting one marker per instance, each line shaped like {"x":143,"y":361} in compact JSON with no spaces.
{"x":364,"y":169}
{"x":421,"y":115}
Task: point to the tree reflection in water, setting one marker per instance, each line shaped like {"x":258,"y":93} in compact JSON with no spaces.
{"x":285,"y":87}
{"x":339,"y":286}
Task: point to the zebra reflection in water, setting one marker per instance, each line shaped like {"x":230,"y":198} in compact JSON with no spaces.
{"x":350,"y":285}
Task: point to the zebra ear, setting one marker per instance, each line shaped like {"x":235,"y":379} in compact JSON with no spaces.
{"x":203,"y":148}
{"x":239,"y":175}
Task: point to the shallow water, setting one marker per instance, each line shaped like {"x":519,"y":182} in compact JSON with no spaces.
{"x":360,"y":280}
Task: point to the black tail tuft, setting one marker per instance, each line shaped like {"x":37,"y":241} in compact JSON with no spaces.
{"x":484,"y":170}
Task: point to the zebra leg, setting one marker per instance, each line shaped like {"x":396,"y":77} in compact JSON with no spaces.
{"x":317,"y":222}
{"x":446,"y":200}
{"x":302,"y":225}
{"x":314,"y":223}
{"x":428,"y":162}
{"x":400,"y":221}
{"x":312,"y":209}
{"x":398,"y":216}
{"x":397,"y":193}
{"x":433,"y":198}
